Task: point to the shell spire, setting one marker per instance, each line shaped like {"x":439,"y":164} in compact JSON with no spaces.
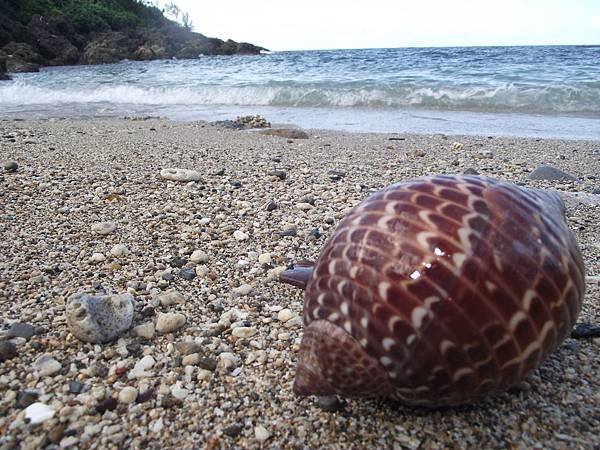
{"x":438,"y":291}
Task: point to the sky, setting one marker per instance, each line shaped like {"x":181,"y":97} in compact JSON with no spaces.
{"x":334,"y":24}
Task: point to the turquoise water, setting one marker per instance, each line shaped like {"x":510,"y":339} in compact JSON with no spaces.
{"x":526,"y":91}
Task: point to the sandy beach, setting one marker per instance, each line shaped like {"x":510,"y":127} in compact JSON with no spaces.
{"x":216,"y":246}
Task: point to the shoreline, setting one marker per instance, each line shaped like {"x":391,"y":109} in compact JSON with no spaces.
{"x":73,"y":173}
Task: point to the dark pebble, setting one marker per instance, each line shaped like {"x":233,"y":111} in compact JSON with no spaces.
{"x":236,"y":184}
{"x":279,"y":174}
{"x":208,"y":364}
{"x":315,"y":233}
{"x":11,"y":166}
{"x":310,"y":199}
{"x":8,"y":350}
{"x":145,"y":396}
{"x":177,"y":262}
{"x":455,"y":162}
{"x":23,"y":330}
{"x":219,"y":172}
{"x":394,"y":138}
{"x":56,"y":434}
{"x":99,"y":370}
{"x":187,"y":274}
{"x":586,"y":330}
{"x":232,"y":430}
{"x":108,"y":404}
{"x":336,"y":175}
{"x":596,"y":191}
{"x":134,"y":348}
{"x":330,"y":403}
{"x":168,"y":276}
{"x":171,"y":402}
{"x":271,"y":206}
{"x":293,"y":231}
{"x":549,"y":173}
{"x":26,"y":398}
{"x":470,"y":171}
{"x":148,"y":311}
{"x":276,"y":158}
{"x":75,"y":387}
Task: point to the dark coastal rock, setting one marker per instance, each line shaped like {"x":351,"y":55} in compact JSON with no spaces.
{"x":288,"y":133}
{"x":549,"y":173}
{"x":51,"y":35}
{"x":109,"y":47}
{"x":22,"y":57}
{"x":3,"y":75}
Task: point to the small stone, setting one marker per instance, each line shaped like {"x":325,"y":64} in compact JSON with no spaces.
{"x":177,"y":262}
{"x":187,"y":274}
{"x":26,"y":398}
{"x":38,"y":413}
{"x":145,"y":396}
{"x":75,"y":387}
{"x":271,"y":206}
{"x":188,"y":347}
{"x":243,"y":332}
{"x":119,"y":250}
{"x":240,"y":235}
{"x":11,"y":166}
{"x":108,"y":404}
{"x":99,"y":319}
{"x":140,"y":370}
{"x":198,"y":256}
{"x":169,"y":322}
{"x":171,"y":297}
{"x":485,"y":154}
{"x":104,"y":228}
{"x":209,"y":364}
{"x":144,"y":330}
{"x":128,"y":395}
{"x":470,"y":171}
{"x":304,"y":206}
{"x":178,"y":392}
{"x":278,"y":174}
{"x":549,"y":173}
{"x":45,"y":365}
{"x":56,"y":433}
{"x":330,"y":403}
{"x":97,"y":258}
{"x":261,"y":434}
{"x":232,"y":430}
{"x":69,"y":441}
{"x":242,"y":290}
{"x":292,"y":231}
{"x":585,"y":331}
{"x":265,"y":258}
{"x":23,"y":330}
{"x":186,"y":175}
{"x":190,"y":360}
{"x":148,"y":311}
{"x":285,"y":314}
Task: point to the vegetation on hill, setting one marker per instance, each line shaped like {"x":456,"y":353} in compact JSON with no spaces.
{"x":58,"y":32}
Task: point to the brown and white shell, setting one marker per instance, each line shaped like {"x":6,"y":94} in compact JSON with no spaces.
{"x":438,"y":291}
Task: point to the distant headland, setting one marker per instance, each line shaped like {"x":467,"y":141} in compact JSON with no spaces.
{"x":36,"y":33}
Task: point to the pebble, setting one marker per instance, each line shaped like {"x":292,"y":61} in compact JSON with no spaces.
{"x":242,"y":290}
{"x":190,"y":360}
{"x":261,"y":433}
{"x":140,"y":370}
{"x":243,"y":332}
{"x":304,"y":206}
{"x":239,"y":235}
{"x":46,"y":365}
{"x":97,"y":258}
{"x":145,"y":330}
{"x":69,"y":441}
{"x":586,"y":330}
{"x":169,"y":322}
{"x":232,"y":430}
{"x":187,"y":274}
{"x":26,"y":398}
{"x":171,"y":297}
{"x":75,"y":387}
{"x":178,"y":392}
{"x":198,"y":256}
{"x":188,"y":347}
{"x":271,"y":206}
{"x":38,"y":412}
{"x":99,"y":318}
{"x":278,"y":174}
{"x":119,"y":250}
{"x":264,"y":258}
{"x":104,"y":228}
{"x":549,"y":173}
{"x":128,"y":395}
{"x":330,"y":403}
{"x":285,"y":314}
{"x":174,"y":174}
{"x":23,"y":330}
{"x":292,"y":231}
{"x":11,"y":166}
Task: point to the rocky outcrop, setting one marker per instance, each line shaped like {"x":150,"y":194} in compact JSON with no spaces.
{"x":54,"y":41}
{"x":3,"y":75}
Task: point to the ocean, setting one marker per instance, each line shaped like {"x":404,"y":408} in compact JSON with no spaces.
{"x":537,"y":91}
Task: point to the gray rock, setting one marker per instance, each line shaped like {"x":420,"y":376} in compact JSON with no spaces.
{"x":101,"y":318}
{"x":11,"y":166}
{"x":549,"y":173}
{"x":45,"y":365}
{"x":23,"y":330}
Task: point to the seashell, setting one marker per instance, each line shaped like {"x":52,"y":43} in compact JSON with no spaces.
{"x":99,"y":318}
{"x":438,"y":291}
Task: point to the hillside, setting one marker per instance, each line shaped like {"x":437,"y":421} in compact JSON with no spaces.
{"x":35,"y":33}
